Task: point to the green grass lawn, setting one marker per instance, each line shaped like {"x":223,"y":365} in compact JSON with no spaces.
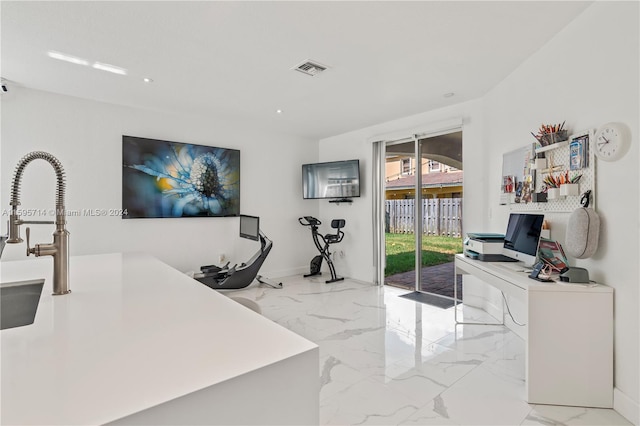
{"x":435,"y":250}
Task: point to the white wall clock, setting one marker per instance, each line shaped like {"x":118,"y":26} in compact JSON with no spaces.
{"x":612,"y":141}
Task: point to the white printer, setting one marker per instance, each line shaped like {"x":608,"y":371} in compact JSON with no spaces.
{"x":484,"y":246}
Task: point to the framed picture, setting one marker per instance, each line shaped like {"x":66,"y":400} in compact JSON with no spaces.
{"x":162,"y":179}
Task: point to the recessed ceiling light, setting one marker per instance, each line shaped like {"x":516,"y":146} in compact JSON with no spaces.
{"x":67,"y":58}
{"x":448,"y":95}
{"x":109,"y":68}
{"x":147,"y":80}
{"x":278,"y":111}
{"x":80,"y":61}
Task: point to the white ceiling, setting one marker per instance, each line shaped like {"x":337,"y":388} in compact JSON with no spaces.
{"x":232,"y":61}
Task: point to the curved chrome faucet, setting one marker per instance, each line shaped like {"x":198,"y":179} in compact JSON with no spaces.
{"x":59,"y":249}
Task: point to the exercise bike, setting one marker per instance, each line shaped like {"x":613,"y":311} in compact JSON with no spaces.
{"x":322,"y":243}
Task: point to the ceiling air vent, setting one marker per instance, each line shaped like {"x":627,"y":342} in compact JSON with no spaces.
{"x":311,"y":68}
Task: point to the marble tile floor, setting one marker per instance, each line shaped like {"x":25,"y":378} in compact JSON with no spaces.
{"x":389,"y":360}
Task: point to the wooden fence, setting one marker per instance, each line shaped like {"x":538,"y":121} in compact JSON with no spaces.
{"x":441,"y":216}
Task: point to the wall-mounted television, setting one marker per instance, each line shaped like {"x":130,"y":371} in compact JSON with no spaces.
{"x":336,"y":179}
{"x":162,"y":179}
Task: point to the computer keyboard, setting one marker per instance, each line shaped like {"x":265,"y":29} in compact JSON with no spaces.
{"x":512,"y":266}
{"x":499,"y":258}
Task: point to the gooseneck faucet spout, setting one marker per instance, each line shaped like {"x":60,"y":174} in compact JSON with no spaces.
{"x":59,"y":249}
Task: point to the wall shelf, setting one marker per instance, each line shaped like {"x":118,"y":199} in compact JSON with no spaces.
{"x":558,"y":162}
{"x":552,"y":146}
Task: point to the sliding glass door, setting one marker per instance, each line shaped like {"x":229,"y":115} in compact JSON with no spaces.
{"x":423,"y":209}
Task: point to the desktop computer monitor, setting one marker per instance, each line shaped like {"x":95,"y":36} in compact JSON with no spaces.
{"x":522,"y":237}
{"x":250,"y":227}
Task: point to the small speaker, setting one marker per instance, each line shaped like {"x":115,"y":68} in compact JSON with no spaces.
{"x":583,"y":230}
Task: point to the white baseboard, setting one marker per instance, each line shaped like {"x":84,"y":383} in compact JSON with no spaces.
{"x":495,"y":311}
{"x":626,"y":407}
{"x":489,"y":299}
{"x":479,"y":295}
{"x":300,"y":270}
{"x":282,"y":273}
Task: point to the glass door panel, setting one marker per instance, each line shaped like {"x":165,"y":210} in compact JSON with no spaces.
{"x":440,"y":196}
{"x":400,"y":209}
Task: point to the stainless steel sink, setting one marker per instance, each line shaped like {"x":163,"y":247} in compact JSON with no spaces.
{"x":19,"y":302}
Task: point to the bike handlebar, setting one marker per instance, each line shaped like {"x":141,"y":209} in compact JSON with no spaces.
{"x":310,"y":221}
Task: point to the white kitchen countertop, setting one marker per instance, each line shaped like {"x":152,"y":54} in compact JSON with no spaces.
{"x":133,"y":334}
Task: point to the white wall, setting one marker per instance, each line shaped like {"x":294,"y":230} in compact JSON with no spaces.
{"x":587,"y":75}
{"x":358,"y":242}
{"x":593,"y":80}
{"x":86,"y":137}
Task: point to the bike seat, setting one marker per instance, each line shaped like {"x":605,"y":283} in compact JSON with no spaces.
{"x":337,"y":237}
{"x":333,"y":238}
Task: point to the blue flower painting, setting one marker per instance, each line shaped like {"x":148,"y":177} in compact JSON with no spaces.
{"x":171,"y":179}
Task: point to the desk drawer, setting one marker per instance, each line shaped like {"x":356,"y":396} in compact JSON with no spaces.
{"x":508,"y":287}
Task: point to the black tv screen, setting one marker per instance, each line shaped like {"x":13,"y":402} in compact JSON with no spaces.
{"x":162,"y":179}
{"x":336,"y":179}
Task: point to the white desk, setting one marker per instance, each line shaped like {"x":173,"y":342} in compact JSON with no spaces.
{"x":569,"y":344}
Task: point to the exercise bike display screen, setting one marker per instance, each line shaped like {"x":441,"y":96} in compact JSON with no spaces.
{"x":250,"y":227}
{"x":336,"y":179}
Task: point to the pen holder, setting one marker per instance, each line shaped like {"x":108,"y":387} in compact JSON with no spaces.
{"x":551,"y":138}
{"x":553,"y":193}
{"x":569,"y":189}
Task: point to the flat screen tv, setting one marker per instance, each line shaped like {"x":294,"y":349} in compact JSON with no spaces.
{"x":523,"y":236}
{"x":336,"y":179}
{"x":162,"y":179}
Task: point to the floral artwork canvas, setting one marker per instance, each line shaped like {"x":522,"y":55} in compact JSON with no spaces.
{"x":162,"y":179}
